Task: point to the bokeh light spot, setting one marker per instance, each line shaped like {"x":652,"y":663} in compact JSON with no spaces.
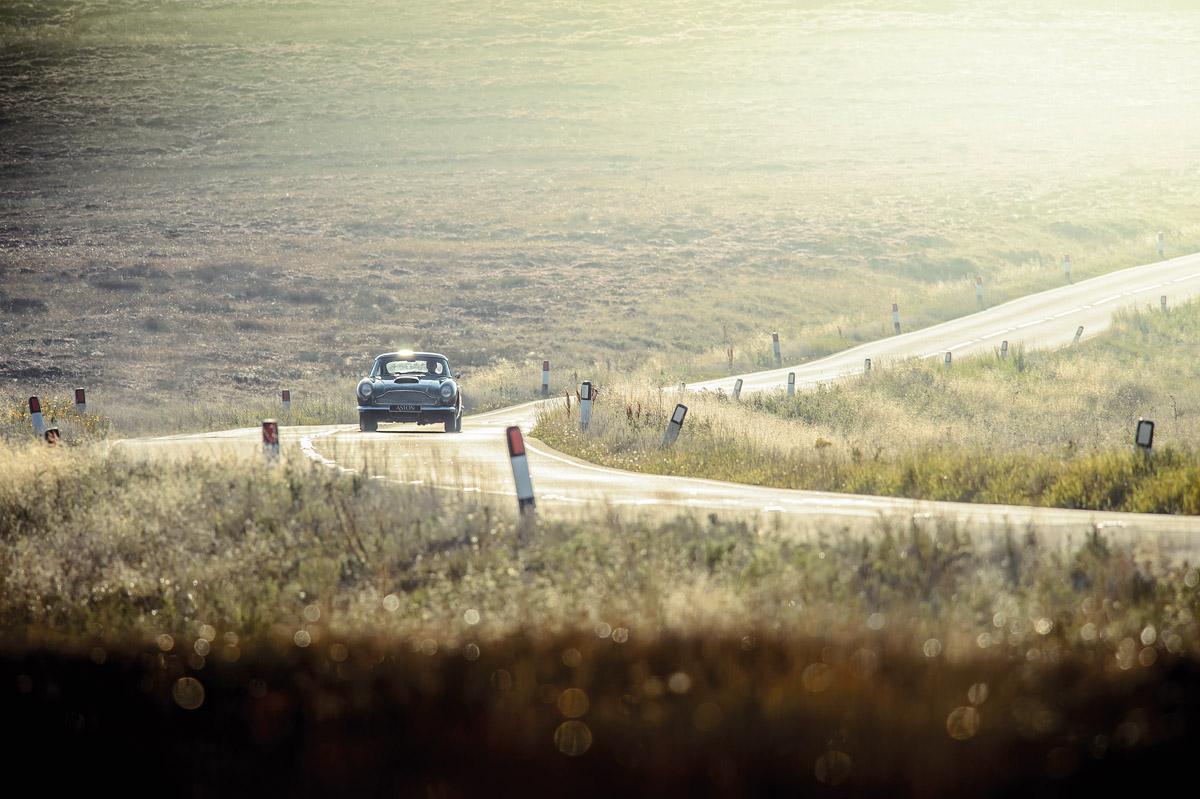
{"x":1149,"y":635}
{"x":707,"y":716}
{"x":963,"y":723}
{"x":977,"y":694}
{"x":391,"y":603}
{"x":679,"y":683}
{"x":471,"y":616}
{"x":832,"y":768}
{"x":338,"y":653}
{"x":302,"y":638}
{"x":571,"y":658}
{"x":471,"y":652}
{"x":876,"y":621}
{"x":573,"y":738}
{"x":201,"y":646}
{"x":932,"y":648}
{"x":429,"y":647}
{"x":1043,"y":626}
{"x":620,"y":635}
{"x":817,"y":677}
{"x":312,"y":613}
{"x":603,"y":630}
{"x":165,"y":642}
{"x":188,"y":693}
{"x":573,"y":703}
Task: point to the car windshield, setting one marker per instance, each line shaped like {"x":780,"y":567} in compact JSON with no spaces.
{"x":411,"y":366}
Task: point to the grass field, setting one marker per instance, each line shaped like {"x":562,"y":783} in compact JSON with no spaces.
{"x":297,"y":627}
{"x":230,"y":199}
{"x":204,"y":203}
{"x":1036,"y":428}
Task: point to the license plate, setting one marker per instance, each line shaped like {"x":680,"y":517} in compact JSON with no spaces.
{"x":406,"y":408}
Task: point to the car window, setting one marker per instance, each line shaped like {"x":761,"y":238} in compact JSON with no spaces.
{"x":422,"y":366}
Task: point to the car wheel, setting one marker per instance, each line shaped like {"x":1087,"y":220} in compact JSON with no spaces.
{"x":367,"y":423}
{"x":451,"y":425}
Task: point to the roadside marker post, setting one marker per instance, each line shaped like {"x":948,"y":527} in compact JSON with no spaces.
{"x":585,"y":405}
{"x":52,"y":436}
{"x":737,"y":388}
{"x":947,"y":359}
{"x":979,"y":290}
{"x":270,"y":439}
{"x":1078,"y":333}
{"x":791,"y":384}
{"x":545,"y":378}
{"x":80,"y":400}
{"x":287,"y":400}
{"x":1067,"y":267}
{"x":1162,"y":301}
{"x":674,"y":426}
{"x":35,"y":414}
{"x":520,"y":469}
{"x":896,"y":317}
{"x":1144,"y":437}
{"x":778,"y":357}
{"x":1160,"y":244}
{"x":867,"y":367}
{"x":1004,"y":349}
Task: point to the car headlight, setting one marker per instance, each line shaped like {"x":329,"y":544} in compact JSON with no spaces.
{"x":447,"y":390}
{"x":364,"y":390}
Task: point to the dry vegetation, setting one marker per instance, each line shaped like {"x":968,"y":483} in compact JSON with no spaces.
{"x":1040,"y":428}
{"x":204,"y":203}
{"x":223,"y":200}
{"x":297,"y":629}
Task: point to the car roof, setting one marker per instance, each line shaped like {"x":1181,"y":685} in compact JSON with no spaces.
{"x":409,"y":354}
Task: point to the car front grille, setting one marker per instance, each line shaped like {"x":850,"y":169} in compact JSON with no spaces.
{"x":405,"y":397}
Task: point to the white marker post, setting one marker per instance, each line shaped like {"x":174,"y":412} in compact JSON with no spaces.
{"x":778,"y":357}
{"x":80,"y":400}
{"x":674,"y":426}
{"x":737,"y":388}
{"x":1067,"y":267}
{"x":1160,"y":244}
{"x":947,"y":359}
{"x":1144,"y":438}
{"x":896,"y":317}
{"x":287,"y":400}
{"x":979,"y":289}
{"x":1162,"y":301}
{"x":867,"y":367}
{"x":585,"y":405}
{"x":545,"y":378}
{"x":35,"y":413}
{"x":1078,"y":333}
{"x":682,"y":386}
{"x":270,"y":439}
{"x":791,"y":384}
{"x":520,"y":469}
{"x":1004,"y":349}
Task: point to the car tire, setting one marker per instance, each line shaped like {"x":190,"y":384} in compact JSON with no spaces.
{"x":451,"y":425}
{"x":367,"y":423}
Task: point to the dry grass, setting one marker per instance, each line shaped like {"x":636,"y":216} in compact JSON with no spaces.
{"x":267,"y":622}
{"x":1042,"y":428}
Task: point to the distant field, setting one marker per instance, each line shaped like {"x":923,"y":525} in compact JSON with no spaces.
{"x":230,"y":198}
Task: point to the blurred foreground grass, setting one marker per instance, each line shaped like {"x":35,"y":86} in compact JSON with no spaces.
{"x":327,"y":632}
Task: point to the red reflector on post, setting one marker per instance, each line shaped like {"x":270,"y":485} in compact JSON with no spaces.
{"x":287,"y":395}
{"x":80,"y":396}
{"x":545,"y":366}
{"x":35,"y":405}
{"x":516,"y":444}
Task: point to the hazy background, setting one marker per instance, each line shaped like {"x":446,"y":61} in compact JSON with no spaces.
{"x":224,"y":193}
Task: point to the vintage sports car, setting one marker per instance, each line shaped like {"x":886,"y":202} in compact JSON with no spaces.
{"x":409,"y":386}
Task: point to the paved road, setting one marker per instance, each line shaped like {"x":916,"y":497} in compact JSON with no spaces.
{"x":1040,"y":321}
{"x":476,"y":461}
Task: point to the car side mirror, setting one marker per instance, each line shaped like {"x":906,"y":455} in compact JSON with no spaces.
{"x":458,"y":375}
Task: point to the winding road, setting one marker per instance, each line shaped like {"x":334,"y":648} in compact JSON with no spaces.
{"x":476,"y":461}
